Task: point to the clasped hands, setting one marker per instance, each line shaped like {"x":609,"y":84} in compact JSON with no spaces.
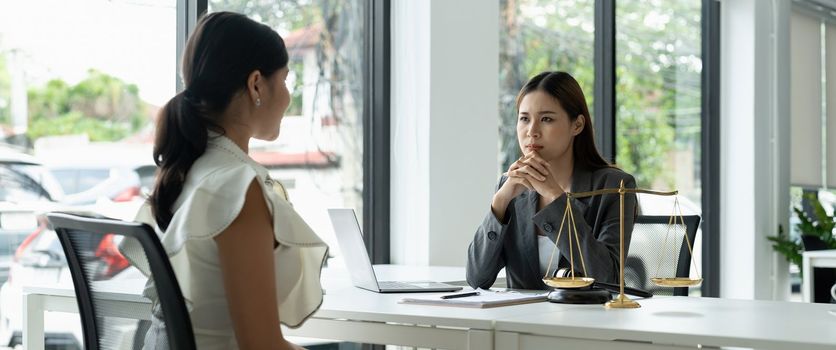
{"x":534,"y":173}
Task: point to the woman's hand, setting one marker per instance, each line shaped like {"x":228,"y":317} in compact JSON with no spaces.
{"x":513,"y":186}
{"x":540,"y":176}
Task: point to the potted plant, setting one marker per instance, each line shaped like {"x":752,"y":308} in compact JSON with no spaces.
{"x":815,"y":231}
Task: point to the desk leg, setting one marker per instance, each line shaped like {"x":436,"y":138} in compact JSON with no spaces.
{"x":807,"y":280}
{"x":33,"y":322}
{"x":507,"y":340}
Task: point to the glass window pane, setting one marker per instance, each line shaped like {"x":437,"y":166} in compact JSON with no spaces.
{"x":537,"y":36}
{"x":67,"y":85}
{"x":72,"y":93}
{"x":80,"y":83}
{"x":319,"y":154}
{"x":658,"y":90}
{"x":658,"y":110}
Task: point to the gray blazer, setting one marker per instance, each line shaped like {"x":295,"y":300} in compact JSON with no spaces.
{"x":513,"y":244}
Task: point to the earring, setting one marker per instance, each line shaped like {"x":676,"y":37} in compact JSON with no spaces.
{"x":258,"y":101}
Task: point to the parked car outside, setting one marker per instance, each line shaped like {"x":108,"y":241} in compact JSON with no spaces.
{"x":40,"y":260}
{"x":29,"y":175}
{"x":88,"y":183}
{"x":92,"y":171}
{"x":30,"y":253}
{"x":27,"y":188}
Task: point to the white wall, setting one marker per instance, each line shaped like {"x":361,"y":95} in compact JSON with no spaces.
{"x":755,"y":129}
{"x":410,"y":120}
{"x":445,"y":98}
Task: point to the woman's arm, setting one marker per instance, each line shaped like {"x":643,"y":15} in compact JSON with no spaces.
{"x":485,"y":256}
{"x":245,"y":249}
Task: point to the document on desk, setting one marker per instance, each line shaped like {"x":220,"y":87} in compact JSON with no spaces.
{"x":485,"y":299}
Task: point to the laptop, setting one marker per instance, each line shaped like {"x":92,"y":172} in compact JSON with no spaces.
{"x":360,"y":269}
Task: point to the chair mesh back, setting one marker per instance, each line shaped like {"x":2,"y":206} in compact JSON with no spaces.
{"x":105,"y":260}
{"x":104,"y":270}
{"x":651,"y":255}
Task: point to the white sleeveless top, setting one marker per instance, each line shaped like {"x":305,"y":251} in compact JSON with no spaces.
{"x":545,"y":247}
{"x":212,"y":197}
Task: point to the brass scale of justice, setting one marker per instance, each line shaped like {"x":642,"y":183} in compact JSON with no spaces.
{"x":621,"y":301}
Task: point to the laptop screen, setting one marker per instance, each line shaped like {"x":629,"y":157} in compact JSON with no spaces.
{"x":350,"y":239}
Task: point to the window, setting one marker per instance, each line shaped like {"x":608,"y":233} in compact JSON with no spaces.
{"x":78,"y":78}
{"x":658,"y":68}
{"x":80,"y":82}
{"x":319,"y":154}
{"x":537,"y":36}
{"x":658,"y":101}
{"x":660,"y":105}
{"x":71,"y":91}
{"x":68,"y":84}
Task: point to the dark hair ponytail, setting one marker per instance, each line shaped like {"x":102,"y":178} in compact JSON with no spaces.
{"x":566,"y":90}
{"x":223,"y":51}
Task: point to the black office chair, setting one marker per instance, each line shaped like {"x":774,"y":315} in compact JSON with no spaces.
{"x":645,"y":254}
{"x":80,"y":236}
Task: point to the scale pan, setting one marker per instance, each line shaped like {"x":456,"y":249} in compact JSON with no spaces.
{"x":676,"y":281}
{"x":568,"y":282}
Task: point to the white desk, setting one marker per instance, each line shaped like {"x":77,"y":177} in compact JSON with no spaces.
{"x":352,"y":314}
{"x":816,"y":258}
{"x":357,"y":315}
{"x":674,"y":323}
{"x":347,"y":313}
{"x":124,"y":299}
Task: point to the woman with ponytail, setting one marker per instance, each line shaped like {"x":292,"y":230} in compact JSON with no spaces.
{"x":245,"y":261}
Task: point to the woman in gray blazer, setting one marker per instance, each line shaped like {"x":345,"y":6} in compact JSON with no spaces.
{"x":554,"y":131}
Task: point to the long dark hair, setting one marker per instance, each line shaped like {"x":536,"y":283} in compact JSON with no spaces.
{"x":223,"y":51}
{"x":566,"y":90}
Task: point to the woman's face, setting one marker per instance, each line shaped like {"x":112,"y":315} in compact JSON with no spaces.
{"x":274,"y":103}
{"x":543,"y":126}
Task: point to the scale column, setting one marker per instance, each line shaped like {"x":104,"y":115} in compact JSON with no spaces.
{"x":622,"y":301}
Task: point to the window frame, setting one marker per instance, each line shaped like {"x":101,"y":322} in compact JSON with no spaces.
{"x":710,"y":158}
{"x":376,"y":146}
{"x":376,"y":91}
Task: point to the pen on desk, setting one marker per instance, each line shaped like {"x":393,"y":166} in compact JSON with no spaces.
{"x":462,"y":295}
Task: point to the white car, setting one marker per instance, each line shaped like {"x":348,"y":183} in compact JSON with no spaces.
{"x":119,"y":172}
{"x":30,"y":254}
{"x":26,"y":189}
{"x":40,"y":260}
{"x":87,"y":184}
